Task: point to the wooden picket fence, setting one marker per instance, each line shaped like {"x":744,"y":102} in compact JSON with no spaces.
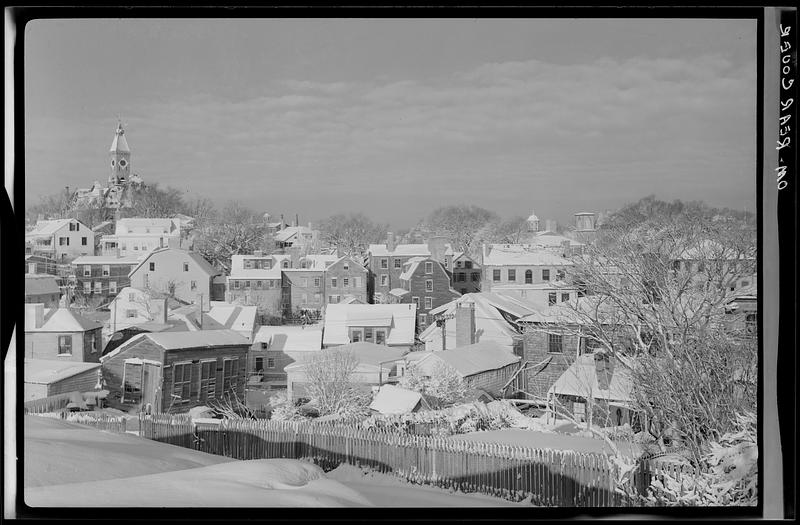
{"x":96,"y":420}
{"x":50,"y":403}
{"x":546,"y":477}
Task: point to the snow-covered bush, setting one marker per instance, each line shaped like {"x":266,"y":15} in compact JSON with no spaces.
{"x":727,"y":476}
{"x":282,"y":409}
{"x":442,"y":388}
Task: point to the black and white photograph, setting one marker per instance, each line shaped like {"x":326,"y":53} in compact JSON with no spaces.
{"x":347,"y":260}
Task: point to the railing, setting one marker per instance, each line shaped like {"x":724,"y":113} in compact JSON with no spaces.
{"x":544,"y":477}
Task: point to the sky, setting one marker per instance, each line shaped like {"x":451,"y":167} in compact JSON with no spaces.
{"x":394,"y":118}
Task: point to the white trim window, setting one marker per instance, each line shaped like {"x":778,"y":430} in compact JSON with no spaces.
{"x":112,"y":287}
{"x":98,"y":287}
{"x":87,"y":286}
{"x":106,"y":270}
{"x":87,"y":271}
{"x":429,"y":285}
{"x":428,"y":303}
{"x":64,"y":345}
{"x":428,"y":267}
{"x":384,"y":280}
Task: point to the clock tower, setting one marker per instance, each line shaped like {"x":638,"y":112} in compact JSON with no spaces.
{"x":120,"y":158}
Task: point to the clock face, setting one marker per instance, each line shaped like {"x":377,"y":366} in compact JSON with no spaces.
{"x":122,"y":163}
{"x":113,"y":163}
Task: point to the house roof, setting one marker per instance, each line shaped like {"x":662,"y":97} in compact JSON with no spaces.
{"x":238,"y":271}
{"x":106,"y":259}
{"x":580,"y":380}
{"x":49,"y":227}
{"x":286,"y":234}
{"x":521,"y":255}
{"x":137,"y":225}
{"x":39,"y":284}
{"x":185,"y":340}
{"x":400,"y":318}
{"x":398,"y":292}
{"x":476,"y":358}
{"x":403,"y":250}
{"x":65,"y":320}
{"x":291,"y":338}
{"x":204,"y":265}
{"x":317,"y":262}
{"x":233,"y":317}
{"x":411,"y":266}
{"x":47,"y":371}
{"x":552,"y":240}
{"x":392,"y":399}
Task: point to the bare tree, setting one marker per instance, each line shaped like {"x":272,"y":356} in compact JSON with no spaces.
{"x":236,"y":230}
{"x":152,"y":202}
{"x":461,"y":224}
{"x":352,"y":233}
{"x":331,"y":388}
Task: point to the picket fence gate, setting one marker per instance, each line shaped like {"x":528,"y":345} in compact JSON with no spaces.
{"x":544,"y":477}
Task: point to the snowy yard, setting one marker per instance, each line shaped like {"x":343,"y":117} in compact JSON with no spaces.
{"x":70,"y":465}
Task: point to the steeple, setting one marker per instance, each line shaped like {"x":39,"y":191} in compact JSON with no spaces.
{"x":120,"y":155}
{"x":533,"y":222}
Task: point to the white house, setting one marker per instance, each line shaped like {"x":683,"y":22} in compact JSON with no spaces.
{"x":60,"y":239}
{"x":139,"y":235}
{"x":383,"y":324}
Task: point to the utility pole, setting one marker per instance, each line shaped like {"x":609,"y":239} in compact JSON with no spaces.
{"x":441,"y":323}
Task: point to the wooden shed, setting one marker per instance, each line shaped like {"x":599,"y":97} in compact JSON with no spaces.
{"x":45,"y":377}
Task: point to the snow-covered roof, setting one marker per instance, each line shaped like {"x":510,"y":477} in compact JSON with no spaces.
{"x":521,"y":255}
{"x":317,"y":261}
{"x":238,"y":271}
{"x":533,"y":216}
{"x":580,"y":380}
{"x":287,"y":234}
{"x":476,"y":358}
{"x":107,"y":259}
{"x":392,"y":399}
{"x":411,"y":266}
{"x":204,"y":265}
{"x":185,"y":340}
{"x":140,"y":226}
{"x":398,"y":292}
{"x":550,"y":239}
{"x":49,"y":371}
{"x":291,"y":338}
{"x":368,"y":354}
{"x":64,"y":320}
{"x":403,"y":250}
{"x":400,"y":318}
{"x":49,"y":227}
{"x":39,"y":284}
{"x":234,"y":317}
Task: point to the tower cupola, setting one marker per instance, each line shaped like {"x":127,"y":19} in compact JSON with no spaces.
{"x":120,"y":158}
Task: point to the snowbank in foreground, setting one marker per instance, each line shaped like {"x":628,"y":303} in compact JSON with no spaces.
{"x":254,"y":483}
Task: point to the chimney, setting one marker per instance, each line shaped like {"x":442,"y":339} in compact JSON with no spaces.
{"x":565,"y":249}
{"x":34,"y":316}
{"x":296,"y":219}
{"x":604,"y":368}
{"x":159,"y":306}
{"x":280,"y":227}
{"x":390,"y":243}
{"x":437,"y":246}
{"x":465,"y":324}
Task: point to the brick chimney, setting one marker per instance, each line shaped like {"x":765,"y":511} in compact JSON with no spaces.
{"x":390,"y":242}
{"x":161,"y":310}
{"x":604,"y":368}
{"x":465,"y":324}
{"x":34,"y":316}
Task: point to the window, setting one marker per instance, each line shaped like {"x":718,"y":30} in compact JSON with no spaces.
{"x":236,"y":284}
{"x":285,"y":264}
{"x":554,"y":344}
{"x":136,"y":247}
{"x":271,"y":283}
{"x":270,"y":362}
{"x":130,"y":314}
{"x":181,"y":382}
{"x":560,"y":275}
{"x":132,"y":372}
{"x":208,"y":379}
{"x":368,"y":334}
{"x":131,"y":296}
{"x":415,"y":300}
{"x":152,"y":266}
{"x":317,"y":298}
{"x":247,"y":284}
{"x":194,"y":285}
{"x":316,"y":282}
{"x":751,"y":323}
{"x":185,"y":267}
{"x":512,"y":275}
{"x":496,"y":276}
{"x":564,"y":297}
{"x":259,"y":366}
{"x":98,"y":287}
{"x":64,"y":345}
{"x":62,"y":241}
{"x":468,"y":265}
{"x":346,"y":266}
{"x":423,"y":320}
{"x":429,"y":285}
{"x":428,"y":267}
{"x":334,"y":299}
{"x":83,"y":241}
{"x":123,"y":246}
{"x":545,"y":275}
{"x":384,"y":280}
{"x":87,"y":271}
{"x":385,"y":264}
{"x":355,"y":335}
{"x":380,"y":337}
{"x":590,"y":345}
{"x":87,"y":287}
{"x":398,"y":263}
{"x":72,"y":226}
{"x":106,"y":270}
{"x":334,"y":282}
{"x":258,"y":284}
{"x":745,"y":283}
{"x":112,"y":287}
{"x":92,"y":343}
{"x":428,"y":303}
{"x":528,"y":277}
{"x":230,"y":374}
{"x":551,"y":298}
{"x":476,"y":277}
{"x":345,"y":282}
{"x":461,"y":277}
